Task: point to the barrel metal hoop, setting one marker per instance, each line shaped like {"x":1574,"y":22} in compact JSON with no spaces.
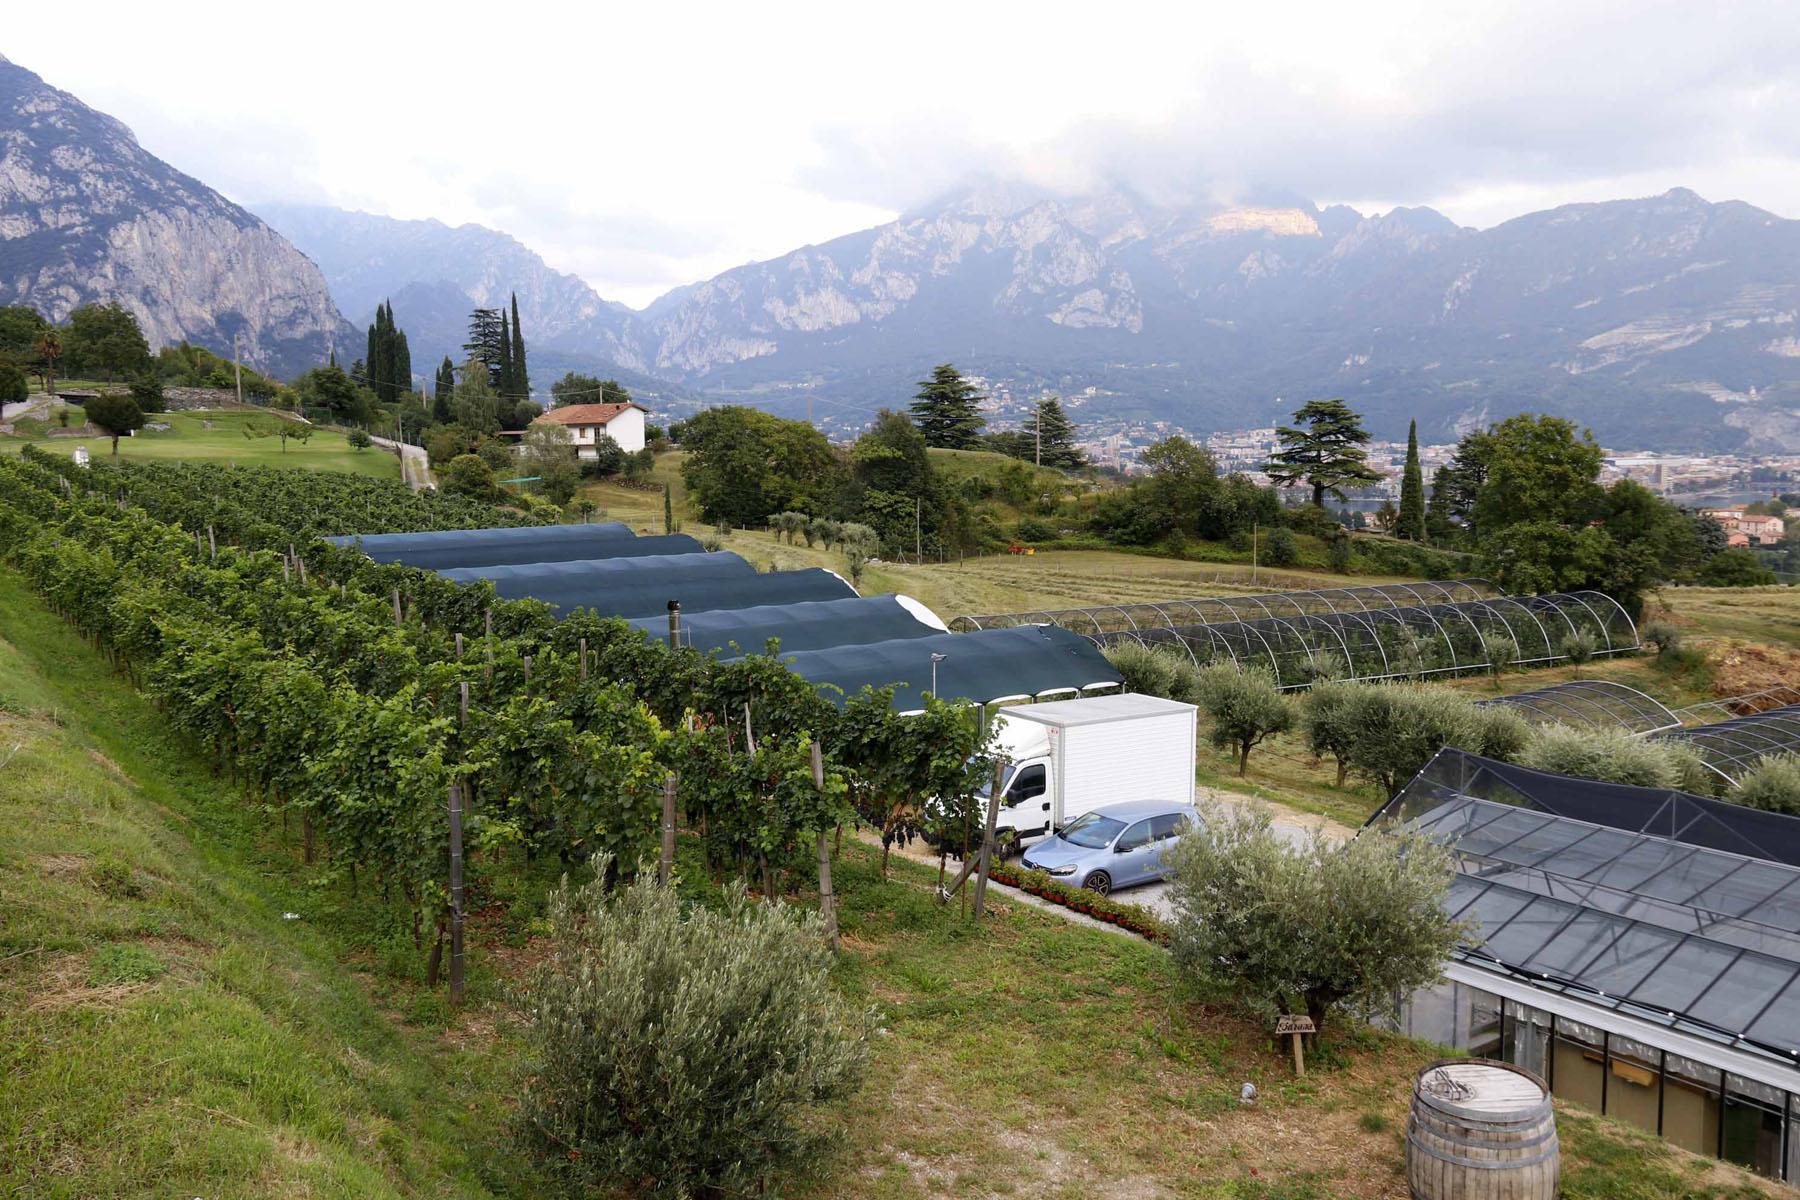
{"x":1506,"y":1165}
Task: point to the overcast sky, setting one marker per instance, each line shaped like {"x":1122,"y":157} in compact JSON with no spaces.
{"x":650,"y":145}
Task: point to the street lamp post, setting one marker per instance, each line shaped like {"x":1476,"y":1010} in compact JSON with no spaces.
{"x":935,"y":660}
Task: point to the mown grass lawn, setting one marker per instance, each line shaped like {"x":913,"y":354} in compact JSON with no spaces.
{"x":218,"y":437}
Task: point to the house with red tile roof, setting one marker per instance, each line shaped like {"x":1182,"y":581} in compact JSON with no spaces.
{"x":623,"y":423}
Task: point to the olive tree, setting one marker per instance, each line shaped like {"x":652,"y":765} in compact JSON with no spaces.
{"x":1317,"y":927}
{"x":1331,"y":720}
{"x":114,"y":415}
{"x":1773,"y":784}
{"x":1398,"y":727}
{"x":684,"y":1052}
{"x":1245,"y":706}
{"x":1614,"y":756}
{"x":1155,"y":670}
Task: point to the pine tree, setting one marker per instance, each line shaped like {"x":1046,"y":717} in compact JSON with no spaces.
{"x":521,"y":377}
{"x":484,"y":344}
{"x":947,"y":410}
{"x":1327,"y":454}
{"x":442,"y":391}
{"x":1412,"y":490}
{"x":1052,"y":436}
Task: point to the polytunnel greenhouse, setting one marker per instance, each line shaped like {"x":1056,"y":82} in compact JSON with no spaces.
{"x":1211,"y":610}
{"x":1404,"y":643}
{"x":1732,"y":749}
{"x":1594,"y":703}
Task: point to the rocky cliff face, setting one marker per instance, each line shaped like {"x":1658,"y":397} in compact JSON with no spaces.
{"x":86,"y":214}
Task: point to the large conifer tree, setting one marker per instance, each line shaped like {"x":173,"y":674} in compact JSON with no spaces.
{"x":1052,"y":436}
{"x":1323,"y":449}
{"x":485,"y":342}
{"x":947,"y":410}
{"x":1412,"y":490}
{"x":506,"y":385}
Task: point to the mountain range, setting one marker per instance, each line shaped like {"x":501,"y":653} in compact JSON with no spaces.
{"x":86,"y":214}
{"x":1668,"y":322}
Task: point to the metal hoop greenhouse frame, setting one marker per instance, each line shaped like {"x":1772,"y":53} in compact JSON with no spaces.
{"x":1400,"y":642}
{"x":1732,"y":749}
{"x":1209,"y":610}
{"x":1597,"y":703}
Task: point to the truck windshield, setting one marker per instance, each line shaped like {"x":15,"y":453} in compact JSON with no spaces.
{"x":1092,"y":831}
{"x":1006,"y":776}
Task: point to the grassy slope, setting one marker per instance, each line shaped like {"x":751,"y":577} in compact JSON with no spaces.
{"x":190,"y":439}
{"x":163,"y":1031}
{"x":995,"y":583}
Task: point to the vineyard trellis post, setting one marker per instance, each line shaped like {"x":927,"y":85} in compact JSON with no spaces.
{"x":212,"y":543}
{"x":665,"y":866}
{"x":583,"y":657}
{"x":827,"y":901}
{"x":456,"y":893}
{"x":397,"y":618}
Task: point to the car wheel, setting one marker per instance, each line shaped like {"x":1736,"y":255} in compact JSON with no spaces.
{"x":1099,"y":882}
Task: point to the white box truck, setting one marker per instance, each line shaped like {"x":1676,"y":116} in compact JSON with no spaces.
{"x":1069,"y":756}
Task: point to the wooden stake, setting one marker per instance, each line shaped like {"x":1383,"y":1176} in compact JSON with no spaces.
{"x":463,"y":687}
{"x":665,"y":866}
{"x":488,"y":619}
{"x":827,"y":901}
{"x":456,"y":894}
{"x":526,"y":660}
{"x":987,"y":843}
{"x":749,"y":736}
{"x":584,"y":658}
{"x":212,"y":543}
{"x":1299,"y":1054}
{"x":459,"y":647}
{"x":397,"y":619}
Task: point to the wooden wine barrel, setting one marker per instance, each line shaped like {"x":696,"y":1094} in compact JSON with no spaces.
{"x":1481,"y":1130}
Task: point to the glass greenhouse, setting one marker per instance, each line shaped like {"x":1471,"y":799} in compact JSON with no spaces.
{"x":1733,"y":748}
{"x":1639,"y":949}
{"x":1594,"y":703}
{"x":1404,"y":643}
{"x":1208,"y":610}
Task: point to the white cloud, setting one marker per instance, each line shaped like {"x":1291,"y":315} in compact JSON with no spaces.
{"x":645,"y":146}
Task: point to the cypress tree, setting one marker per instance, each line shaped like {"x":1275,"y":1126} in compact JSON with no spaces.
{"x":372,"y":351}
{"x":1412,"y":490}
{"x":521,"y":377}
{"x":506,"y":385}
{"x":401,"y":361}
{"x":442,"y":391}
{"x":947,"y":411}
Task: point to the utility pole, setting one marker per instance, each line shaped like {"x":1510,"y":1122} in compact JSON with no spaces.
{"x":237,"y":366}
{"x":1037,"y":435}
{"x":918,"y":529}
{"x":1255,"y":530}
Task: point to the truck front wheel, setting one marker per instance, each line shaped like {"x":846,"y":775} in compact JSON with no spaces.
{"x":1099,"y":882}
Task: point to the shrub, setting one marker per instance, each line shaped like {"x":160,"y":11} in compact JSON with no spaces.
{"x":1308,"y":928}
{"x":1773,"y":784}
{"x":1245,"y":707}
{"x":13,"y":386}
{"x":1662,"y":637}
{"x":1611,"y":756}
{"x":467,"y":475}
{"x":1280,"y":549}
{"x":685,"y":1054}
{"x":1339,"y":556}
{"x":1155,"y":670}
{"x":1034,"y":529}
{"x":359,"y":439}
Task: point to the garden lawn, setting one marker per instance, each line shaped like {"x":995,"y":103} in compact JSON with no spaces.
{"x":219,"y":437}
